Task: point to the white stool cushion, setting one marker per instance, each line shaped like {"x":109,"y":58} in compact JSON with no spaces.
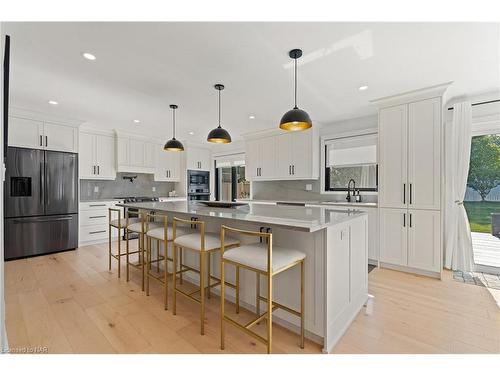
{"x":137,"y":227}
{"x":212,"y":241}
{"x":255,"y":256}
{"x":159,"y":233}
{"x":123,"y":222}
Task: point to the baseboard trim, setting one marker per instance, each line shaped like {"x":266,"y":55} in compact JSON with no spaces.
{"x":416,"y":271}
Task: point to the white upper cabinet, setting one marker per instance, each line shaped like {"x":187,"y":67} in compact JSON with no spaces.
{"x":198,"y":158}
{"x":393,"y":145}
{"x":42,"y":135}
{"x":285,"y":156}
{"x":424,"y":154}
{"x":97,"y":156}
{"x":167,"y":165}
{"x":135,"y":154}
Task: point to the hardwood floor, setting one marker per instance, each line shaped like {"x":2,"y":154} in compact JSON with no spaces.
{"x":70,"y":303}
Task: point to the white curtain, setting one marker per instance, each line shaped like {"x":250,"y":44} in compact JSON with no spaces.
{"x":457,"y":237}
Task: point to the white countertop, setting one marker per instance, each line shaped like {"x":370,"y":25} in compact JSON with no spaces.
{"x":311,"y":203}
{"x":307,"y":219}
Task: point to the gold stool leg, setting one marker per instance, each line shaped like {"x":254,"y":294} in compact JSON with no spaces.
{"x":208,"y":266}
{"x":257,"y":294}
{"x":141,"y":252}
{"x":180,"y":264}
{"x":302,"y":302}
{"x":202,"y":291}
{"x":237,"y":289}
{"x":165,"y":265}
{"x":109,"y":247}
{"x":148,"y":263}
{"x":158,"y":256}
{"x":127,"y":250}
{"x":119,"y":255}
{"x":222,"y":300}
{"x":174,"y":279}
{"x":269,"y":312}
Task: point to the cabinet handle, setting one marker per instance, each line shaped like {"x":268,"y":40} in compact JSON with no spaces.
{"x":410,"y":196}
{"x":46,"y":141}
{"x":289,"y":169}
{"x":410,"y":221}
{"x":96,"y":217}
{"x":293,"y":169}
{"x":98,"y":171}
{"x":98,"y":231}
{"x":404,"y":193}
{"x":97,"y":205}
{"x":93,"y":169}
{"x":404,"y":220}
{"x":41,"y":140}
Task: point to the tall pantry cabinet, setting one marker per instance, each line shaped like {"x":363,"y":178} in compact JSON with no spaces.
{"x":410,"y":165}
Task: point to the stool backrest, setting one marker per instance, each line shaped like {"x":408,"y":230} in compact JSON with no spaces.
{"x":193,"y":223}
{"x":151,"y":216}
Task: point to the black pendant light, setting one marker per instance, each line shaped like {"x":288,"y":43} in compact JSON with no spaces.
{"x":295,"y":119}
{"x":219,"y":135}
{"x":173,"y":144}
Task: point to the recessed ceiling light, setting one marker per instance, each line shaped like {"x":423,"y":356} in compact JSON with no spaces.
{"x":88,"y":56}
{"x":362,"y":88}
{"x":251,"y":117}
{"x":191,"y":133}
{"x":53,"y":102}
{"x":137,"y":121}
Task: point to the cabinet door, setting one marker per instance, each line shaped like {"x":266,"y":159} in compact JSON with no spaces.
{"x":149,"y":154}
{"x":424,"y":154}
{"x":174,"y":166}
{"x":393,"y":129}
{"x":268,"y":157}
{"x":301,"y":151}
{"x":193,"y":158}
{"x":284,"y":155}
{"x":122,"y":151}
{"x":424,"y":240}
{"x":161,"y":164}
{"x":204,"y":159}
{"x":393,"y":236}
{"x":105,"y":157}
{"x":86,"y":156}
{"x":373,"y":234}
{"x":136,"y":153}
{"x":252,"y":158}
{"x":25,"y":133}
{"x":338,"y":278}
{"x":358,"y":243}
{"x":60,"y":137}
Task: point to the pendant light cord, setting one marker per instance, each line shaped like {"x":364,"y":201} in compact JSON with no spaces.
{"x":295,"y":83}
{"x":219,"y":108}
{"x":173,"y":121}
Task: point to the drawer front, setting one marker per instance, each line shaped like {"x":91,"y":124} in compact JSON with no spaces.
{"x":93,"y":217}
{"x":98,"y":205}
{"x":95,"y":232}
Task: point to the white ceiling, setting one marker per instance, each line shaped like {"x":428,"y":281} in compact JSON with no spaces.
{"x":141,"y":68}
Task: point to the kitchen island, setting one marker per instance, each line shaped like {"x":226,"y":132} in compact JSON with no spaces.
{"x":335,"y":243}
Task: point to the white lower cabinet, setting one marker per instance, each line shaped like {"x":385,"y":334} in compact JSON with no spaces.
{"x":410,"y":238}
{"x":94,"y":220}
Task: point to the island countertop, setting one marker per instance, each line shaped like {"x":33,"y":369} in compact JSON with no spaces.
{"x":305,"y":219}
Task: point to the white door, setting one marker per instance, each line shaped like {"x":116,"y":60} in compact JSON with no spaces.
{"x":373,"y":234}
{"x":268,"y":157}
{"x":136,"y":153}
{"x":393,"y":236}
{"x":424,"y":240}
{"x":338,"y":263}
{"x":60,"y":137}
{"x":149,"y":154}
{"x":86,"y":156}
{"x":193,"y":158}
{"x":358,"y":243}
{"x":393,"y":129}
{"x":161,"y":164}
{"x":424,"y":154}
{"x":204,"y":156}
{"x":252,"y":158}
{"x":284,"y":159}
{"x":301,"y":151}
{"x":105,"y":157}
{"x":174,"y":166}
{"x":25,"y":133}
{"x":122,"y":151}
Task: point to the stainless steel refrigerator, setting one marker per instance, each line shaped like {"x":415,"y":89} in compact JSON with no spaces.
{"x":40,"y":202}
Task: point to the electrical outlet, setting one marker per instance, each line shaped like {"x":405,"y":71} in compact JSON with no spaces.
{"x":309,"y":187}
{"x":96,"y":189}
{"x":154,"y":188}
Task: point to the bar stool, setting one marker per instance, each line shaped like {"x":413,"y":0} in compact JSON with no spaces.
{"x":205,"y":244}
{"x":264,"y":259}
{"x":138,"y":227}
{"x":118,"y":223}
{"x":162,"y":233}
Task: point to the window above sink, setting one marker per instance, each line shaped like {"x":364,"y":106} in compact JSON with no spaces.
{"x":351,"y":157}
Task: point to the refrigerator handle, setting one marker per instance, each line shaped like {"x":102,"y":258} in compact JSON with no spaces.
{"x":41,"y":182}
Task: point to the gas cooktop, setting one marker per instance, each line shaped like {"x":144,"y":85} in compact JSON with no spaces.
{"x":138,"y":199}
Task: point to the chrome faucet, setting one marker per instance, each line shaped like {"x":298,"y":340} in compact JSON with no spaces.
{"x":348,"y":198}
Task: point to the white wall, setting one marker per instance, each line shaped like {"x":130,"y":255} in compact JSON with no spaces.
{"x":3,"y":333}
